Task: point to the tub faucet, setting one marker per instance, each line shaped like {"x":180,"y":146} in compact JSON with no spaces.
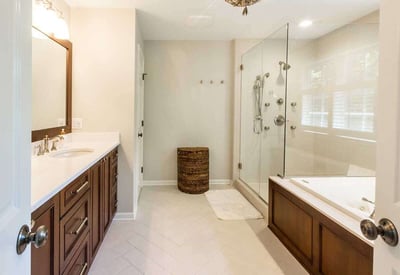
{"x":372,"y":215}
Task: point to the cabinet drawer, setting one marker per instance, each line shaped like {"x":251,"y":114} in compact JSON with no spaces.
{"x":79,"y":264}
{"x":74,"y":227}
{"x":73,"y":192}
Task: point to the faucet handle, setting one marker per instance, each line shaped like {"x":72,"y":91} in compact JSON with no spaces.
{"x":54,"y":145}
{"x":40,"y":150}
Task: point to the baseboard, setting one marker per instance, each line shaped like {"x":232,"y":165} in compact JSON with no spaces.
{"x":174,"y":182}
{"x":124,"y":216}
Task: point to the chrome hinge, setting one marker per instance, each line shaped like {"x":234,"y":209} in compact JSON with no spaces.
{"x":240,"y":165}
{"x":142,"y":123}
{"x":141,"y":169}
{"x":241,"y":67}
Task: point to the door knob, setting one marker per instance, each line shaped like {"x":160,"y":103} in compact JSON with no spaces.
{"x":140,"y":135}
{"x":25,"y":237}
{"x":385,"y":229}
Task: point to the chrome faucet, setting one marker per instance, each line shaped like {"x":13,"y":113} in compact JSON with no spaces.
{"x":46,"y":144}
{"x":372,"y":215}
{"x":55,"y":140}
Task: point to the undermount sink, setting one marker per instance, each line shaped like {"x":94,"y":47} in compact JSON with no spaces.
{"x":70,"y":153}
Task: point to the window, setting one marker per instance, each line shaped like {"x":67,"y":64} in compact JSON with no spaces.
{"x":354,"y":110}
{"x":314,"y":110}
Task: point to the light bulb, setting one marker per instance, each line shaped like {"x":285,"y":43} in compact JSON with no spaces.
{"x":61,"y":29}
{"x":305,"y":23}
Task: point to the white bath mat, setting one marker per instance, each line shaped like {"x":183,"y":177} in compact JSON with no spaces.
{"x":229,"y":204}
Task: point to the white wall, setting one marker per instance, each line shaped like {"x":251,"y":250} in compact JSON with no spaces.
{"x":104,"y":82}
{"x":179,"y":111}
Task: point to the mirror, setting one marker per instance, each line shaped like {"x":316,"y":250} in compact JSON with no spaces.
{"x":51,"y":85}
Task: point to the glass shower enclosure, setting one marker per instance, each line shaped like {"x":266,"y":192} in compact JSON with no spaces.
{"x":308,"y":103}
{"x":263,"y":108}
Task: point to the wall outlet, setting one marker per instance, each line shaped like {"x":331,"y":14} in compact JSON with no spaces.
{"x":61,"y":122}
{"x":76,"y":123}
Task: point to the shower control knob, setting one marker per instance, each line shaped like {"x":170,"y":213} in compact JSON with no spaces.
{"x":385,"y":229}
{"x":293,"y":104}
{"x":293,"y":127}
{"x":266,"y":128}
{"x":267,"y":104}
{"x":279,"y":120}
{"x":280,"y":101}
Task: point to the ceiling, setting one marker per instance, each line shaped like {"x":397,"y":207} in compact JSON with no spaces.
{"x":217,"y":20}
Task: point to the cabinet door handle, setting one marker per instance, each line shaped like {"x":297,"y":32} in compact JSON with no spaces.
{"x":84,"y":269}
{"x":80,"y":227}
{"x":80,"y":188}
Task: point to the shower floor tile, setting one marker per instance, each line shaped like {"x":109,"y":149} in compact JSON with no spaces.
{"x":177,"y":233}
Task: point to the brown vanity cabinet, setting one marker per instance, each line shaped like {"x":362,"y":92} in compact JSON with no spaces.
{"x":74,"y":227}
{"x":77,"y":219}
{"x":96,"y":184}
{"x":45,"y":261}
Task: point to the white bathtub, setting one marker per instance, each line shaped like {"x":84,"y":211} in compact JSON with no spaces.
{"x":343,"y":193}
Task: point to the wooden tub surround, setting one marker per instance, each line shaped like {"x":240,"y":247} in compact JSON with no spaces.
{"x":319,"y":244}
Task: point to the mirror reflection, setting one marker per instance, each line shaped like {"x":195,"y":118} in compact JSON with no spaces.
{"x":49,"y":82}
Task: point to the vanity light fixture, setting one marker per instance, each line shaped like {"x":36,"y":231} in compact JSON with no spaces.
{"x":305,"y":23}
{"x":242,"y":3}
{"x":47,"y":18}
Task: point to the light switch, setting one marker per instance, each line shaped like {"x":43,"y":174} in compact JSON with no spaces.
{"x":76,"y":123}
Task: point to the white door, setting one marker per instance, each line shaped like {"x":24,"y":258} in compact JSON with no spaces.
{"x":386,"y":258}
{"x":139,"y":122}
{"x":15,"y":131}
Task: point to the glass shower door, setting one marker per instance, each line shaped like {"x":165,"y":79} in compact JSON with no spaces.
{"x":276,"y":67}
{"x":263,"y":111}
{"x":251,"y":121}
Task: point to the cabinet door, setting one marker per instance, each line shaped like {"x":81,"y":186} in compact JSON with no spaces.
{"x":106,"y":188}
{"x":96,"y":176}
{"x":45,"y":260}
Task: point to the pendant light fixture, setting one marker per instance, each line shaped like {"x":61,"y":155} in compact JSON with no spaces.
{"x":242,"y":3}
{"x":47,"y":18}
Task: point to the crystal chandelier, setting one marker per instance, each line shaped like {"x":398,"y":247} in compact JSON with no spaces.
{"x":242,"y":3}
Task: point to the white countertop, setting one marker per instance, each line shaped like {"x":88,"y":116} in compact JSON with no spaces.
{"x":50,"y":175}
{"x":347,"y":222}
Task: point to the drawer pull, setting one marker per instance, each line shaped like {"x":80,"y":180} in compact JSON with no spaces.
{"x":84,"y":269}
{"x":80,"y":227}
{"x":80,"y":188}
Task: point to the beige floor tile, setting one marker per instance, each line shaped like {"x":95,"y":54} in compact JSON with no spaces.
{"x":179,"y":234}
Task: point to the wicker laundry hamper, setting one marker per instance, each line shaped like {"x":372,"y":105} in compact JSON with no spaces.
{"x":193,"y":169}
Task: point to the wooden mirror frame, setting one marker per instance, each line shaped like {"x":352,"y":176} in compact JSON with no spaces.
{"x":51,"y":132}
